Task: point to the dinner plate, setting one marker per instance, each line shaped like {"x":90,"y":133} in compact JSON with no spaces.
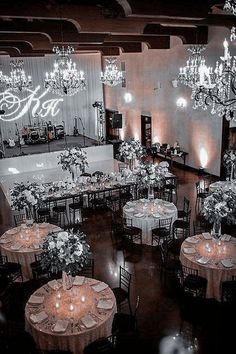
{"x":12,"y":231}
{"x":203,"y":260}
{"x":227,"y":263}
{"x":189,"y":250}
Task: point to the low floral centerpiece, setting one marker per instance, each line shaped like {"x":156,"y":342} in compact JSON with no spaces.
{"x":24,"y":196}
{"x":72,"y":159}
{"x":65,"y":251}
{"x":218,"y":206}
{"x":229,"y":161}
{"x":130,"y":150}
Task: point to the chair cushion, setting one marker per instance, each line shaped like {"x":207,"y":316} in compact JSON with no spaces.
{"x":76,"y":205}
{"x":59,"y":208}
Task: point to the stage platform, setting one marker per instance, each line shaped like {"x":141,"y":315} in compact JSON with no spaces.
{"x":44,"y":167}
{"x":53,"y":145}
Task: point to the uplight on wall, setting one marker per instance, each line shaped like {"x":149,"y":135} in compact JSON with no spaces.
{"x":122,"y":134}
{"x":128,"y":97}
{"x":203,"y":157}
{"x":181,"y":102}
{"x":136,"y":136}
{"x":156,"y":139}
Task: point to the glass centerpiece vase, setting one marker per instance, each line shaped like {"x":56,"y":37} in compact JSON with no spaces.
{"x":216,"y":230}
{"x":150,"y":191}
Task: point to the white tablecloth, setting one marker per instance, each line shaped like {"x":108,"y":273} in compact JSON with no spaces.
{"x":146,"y":214}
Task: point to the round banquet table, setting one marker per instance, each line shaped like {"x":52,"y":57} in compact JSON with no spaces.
{"x":145,"y":215}
{"x":70,"y":319}
{"x":214,"y":259}
{"x":20,"y":244}
{"x":224,"y":185}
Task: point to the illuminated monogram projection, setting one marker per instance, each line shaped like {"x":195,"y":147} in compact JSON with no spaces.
{"x":33,"y":102}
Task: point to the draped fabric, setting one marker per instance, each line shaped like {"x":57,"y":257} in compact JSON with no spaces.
{"x":40,"y":107}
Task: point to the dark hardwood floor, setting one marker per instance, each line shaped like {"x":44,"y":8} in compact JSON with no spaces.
{"x":159,"y":312}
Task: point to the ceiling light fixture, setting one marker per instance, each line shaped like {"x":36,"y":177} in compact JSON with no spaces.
{"x":17,"y":81}
{"x":111,"y":76}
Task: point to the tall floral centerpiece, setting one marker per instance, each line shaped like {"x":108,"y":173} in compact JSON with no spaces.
{"x":150,"y":175}
{"x":72,"y":159}
{"x":229,"y":161}
{"x":130,"y":150}
{"x":220,"y":205}
{"x":25,"y":196}
{"x":65,"y":251}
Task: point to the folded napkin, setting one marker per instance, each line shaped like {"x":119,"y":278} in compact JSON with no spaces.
{"x":130,"y":203}
{"x":54,"y":284}
{"x":225,"y":237}
{"x":4,"y":240}
{"x":206,"y":236}
{"x":56,"y":229}
{"x":105,"y":304}
{"x":88,"y":321}
{"x":100,"y":286}
{"x":189,"y":250}
{"x":227,"y":263}
{"x":16,"y":246}
{"x":203,"y":260}
{"x":192,"y":239}
{"x":43,"y":224}
{"x":61,"y":326}
{"x":143,"y":200}
{"x":12,"y":231}
{"x":129,"y":210}
{"x":79,"y":280}
{"x":36,"y":299}
{"x":139,"y":215}
{"x":156,"y":215}
{"x":38,"y":317}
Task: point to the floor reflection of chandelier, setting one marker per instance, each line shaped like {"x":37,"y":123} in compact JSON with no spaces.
{"x":65,"y":79}
{"x":17,"y":79}
{"x":111,"y":76}
{"x":189,"y":74}
{"x":217,"y":88}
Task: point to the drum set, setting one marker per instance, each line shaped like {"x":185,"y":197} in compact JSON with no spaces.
{"x":42,"y":133}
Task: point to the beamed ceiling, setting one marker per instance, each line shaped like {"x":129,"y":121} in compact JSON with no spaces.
{"x":32,"y":28}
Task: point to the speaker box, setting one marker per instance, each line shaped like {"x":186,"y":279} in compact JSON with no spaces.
{"x":117,"y":121}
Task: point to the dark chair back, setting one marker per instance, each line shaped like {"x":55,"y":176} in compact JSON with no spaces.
{"x":125,"y":280}
{"x":19,"y":218}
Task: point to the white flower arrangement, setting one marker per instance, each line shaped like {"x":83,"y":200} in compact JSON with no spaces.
{"x":148,"y":173}
{"x":73,"y":157}
{"x":25,"y":195}
{"x":131,"y":149}
{"x":65,"y":251}
{"x":220,"y":204}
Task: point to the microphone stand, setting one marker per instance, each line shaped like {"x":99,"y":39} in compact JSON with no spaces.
{"x":83,"y":130}
{"x":64,"y":133}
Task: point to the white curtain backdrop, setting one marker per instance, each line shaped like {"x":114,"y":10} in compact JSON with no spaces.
{"x":78,"y":105}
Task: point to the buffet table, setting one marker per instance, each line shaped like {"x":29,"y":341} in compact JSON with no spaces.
{"x":70,"y":319}
{"x":145,"y":215}
{"x":20,"y":244}
{"x":214,"y":259}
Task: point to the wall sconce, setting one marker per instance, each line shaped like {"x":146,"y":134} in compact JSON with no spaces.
{"x":203,"y":157}
{"x":181,"y":102}
{"x":174,"y":83}
{"x":127,"y":97}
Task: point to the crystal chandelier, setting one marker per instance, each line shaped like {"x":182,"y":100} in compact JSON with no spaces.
{"x":65,"y":79}
{"x":2,"y":79}
{"x":111,"y":76}
{"x":217,"y":88}
{"x":17,"y":79}
{"x":189,"y":74}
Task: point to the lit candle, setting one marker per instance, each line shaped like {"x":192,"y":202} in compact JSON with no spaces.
{"x":58,"y":295}
{"x":57,"y":305}
{"x":83,"y":299}
{"x":71,"y":307}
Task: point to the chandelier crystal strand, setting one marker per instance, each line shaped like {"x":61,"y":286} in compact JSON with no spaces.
{"x":230,"y":6}
{"x":17,"y":79}
{"x":2,"y":78}
{"x":220,"y":94}
{"x":111,"y":76}
{"x":65,"y":79}
{"x":189,"y":74}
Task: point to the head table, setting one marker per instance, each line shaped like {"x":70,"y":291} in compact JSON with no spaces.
{"x":70,"y":319}
{"x":20,"y":244}
{"x":214,"y":259}
{"x":145,"y":214}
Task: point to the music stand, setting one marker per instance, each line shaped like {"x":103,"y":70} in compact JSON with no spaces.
{"x":83,"y":130}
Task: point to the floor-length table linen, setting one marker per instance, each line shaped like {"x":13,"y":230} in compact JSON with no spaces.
{"x":214,"y":259}
{"x":145,"y":214}
{"x":21,"y":243}
{"x":85,"y":300}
